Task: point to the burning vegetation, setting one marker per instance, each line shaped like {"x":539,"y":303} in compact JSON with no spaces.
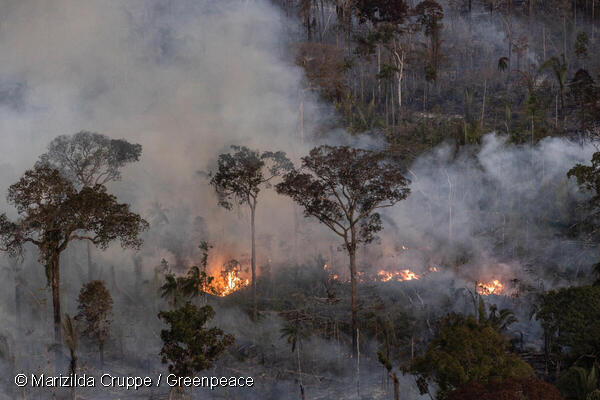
{"x":402,"y":275}
{"x":228,"y":279}
{"x":493,"y":287}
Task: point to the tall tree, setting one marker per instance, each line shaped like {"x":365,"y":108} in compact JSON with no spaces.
{"x":429,"y":15}
{"x":588,"y":179}
{"x":52,"y":213}
{"x":89,"y":159}
{"x":343,"y":187}
{"x":239,"y":178}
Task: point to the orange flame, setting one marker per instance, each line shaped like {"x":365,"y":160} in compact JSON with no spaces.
{"x":227,"y":283}
{"x":403,"y":275}
{"x":225,"y":273}
{"x":493,"y":287}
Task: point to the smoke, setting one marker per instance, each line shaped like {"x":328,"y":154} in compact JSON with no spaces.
{"x":186,"y":79}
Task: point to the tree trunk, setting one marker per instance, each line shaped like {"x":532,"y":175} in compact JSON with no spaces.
{"x":254,"y":300}
{"x":354,"y":283}
{"x":72,"y":371}
{"x":91,"y":272}
{"x":54,"y":264}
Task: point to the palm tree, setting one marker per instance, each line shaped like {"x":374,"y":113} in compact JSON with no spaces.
{"x":500,"y":320}
{"x":171,"y":290}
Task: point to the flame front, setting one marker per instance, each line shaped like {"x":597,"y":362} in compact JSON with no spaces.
{"x":403,"y":275}
{"x":493,"y":287}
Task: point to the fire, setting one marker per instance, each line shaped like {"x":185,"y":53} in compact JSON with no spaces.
{"x":227,"y":283}
{"x":226,"y":276}
{"x":403,"y":275}
{"x":493,"y":287}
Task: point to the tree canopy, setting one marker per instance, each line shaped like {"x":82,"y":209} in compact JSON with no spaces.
{"x":89,"y":158}
{"x":466,"y":351}
{"x":571,"y":320}
{"x":189,"y":346}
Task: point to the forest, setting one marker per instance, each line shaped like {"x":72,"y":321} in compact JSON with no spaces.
{"x":300,"y":199}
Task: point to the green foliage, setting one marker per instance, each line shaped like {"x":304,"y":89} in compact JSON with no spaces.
{"x":383,"y":360}
{"x":178,"y":289}
{"x":189,"y":346}
{"x":465,"y":350}
{"x":579,"y":383}
{"x":571,"y":320}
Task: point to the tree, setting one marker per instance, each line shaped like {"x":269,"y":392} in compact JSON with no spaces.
{"x":388,"y":18}
{"x":559,"y":69}
{"x":429,"y":14}
{"x":52,"y":214}
{"x":579,"y":383}
{"x":588,"y":179}
{"x":343,"y":187}
{"x":466,"y":350}
{"x":584,"y":94}
{"x":239,"y":178}
{"x":571,"y":321}
{"x":188,"y":346}
{"x":95,"y":307}
{"x":178,"y":289}
{"x":89,"y":159}
{"x":507,"y":389}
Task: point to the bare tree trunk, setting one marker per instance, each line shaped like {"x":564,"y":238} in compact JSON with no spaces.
{"x":399,"y":76}
{"x":357,"y":364}
{"x":353,"y":281}
{"x":483,"y":105}
{"x":91,"y":272}
{"x":254,"y":300}
{"x":54,"y":264}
